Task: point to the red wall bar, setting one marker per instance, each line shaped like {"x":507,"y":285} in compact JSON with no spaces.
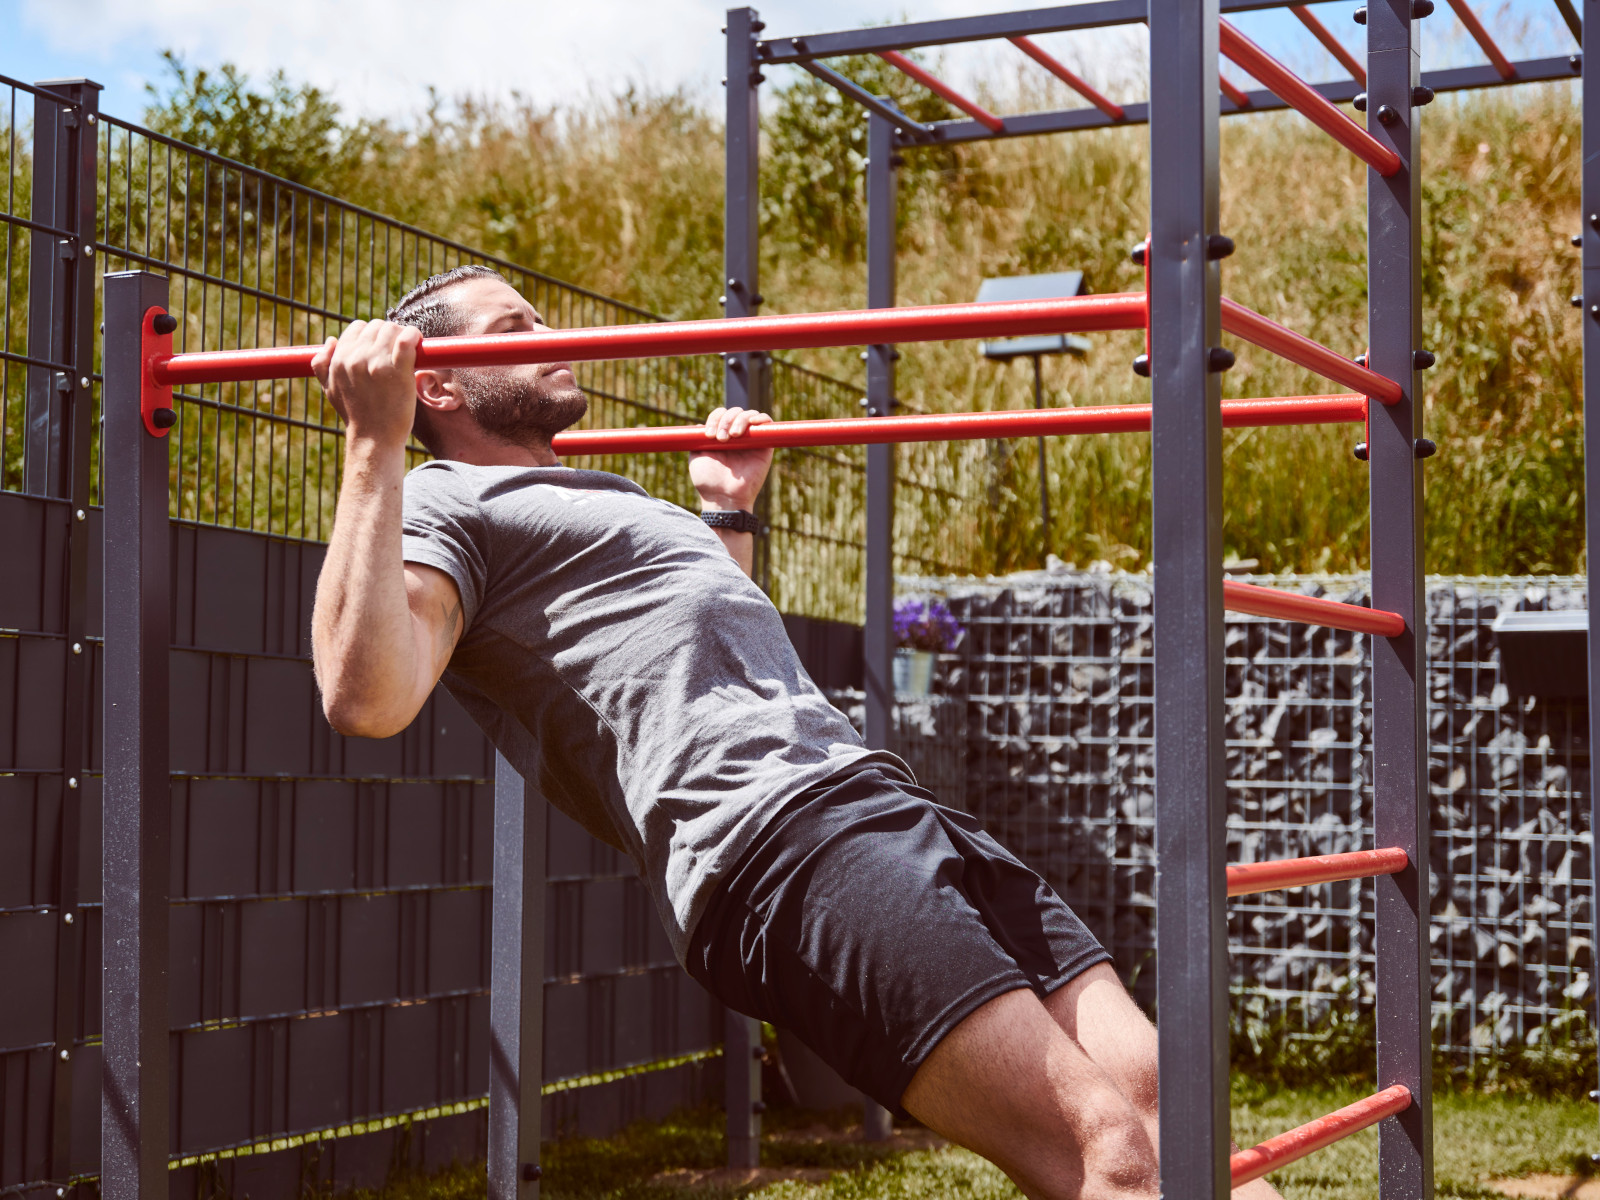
{"x":1300,"y":95}
{"x":852,"y":327}
{"x":977,"y":112}
{"x":953,"y":427}
{"x":1029,"y":47}
{"x":1293,"y":606}
{"x":1253,"y":327}
{"x":1314,"y":1135}
{"x":1334,"y":46}
{"x":1481,"y":36}
{"x":1246,"y":879}
{"x":1240,"y":97}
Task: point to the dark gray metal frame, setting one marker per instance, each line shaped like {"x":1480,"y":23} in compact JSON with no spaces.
{"x":1183,"y":113}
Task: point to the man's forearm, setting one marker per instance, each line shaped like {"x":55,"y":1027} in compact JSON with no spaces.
{"x":361,"y":629}
{"x":743,"y":548}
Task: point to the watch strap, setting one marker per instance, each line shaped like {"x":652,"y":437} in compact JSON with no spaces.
{"x":737,"y":519}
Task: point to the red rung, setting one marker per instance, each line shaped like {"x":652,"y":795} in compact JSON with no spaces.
{"x":1334,"y":46}
{"x":852,"y":327}
{"x":976,"y":111}
{"x":1304,"y":98}
{"x":1245,"y":879}
{"x":1314,"y":1135}
{"x":1240,"y":97}
{"x":1049,"y":63}
{"x":1481,"y":36}
{"x":1253,"y":327}
{"x":949,"y":427}
{"x":1312,"y":610}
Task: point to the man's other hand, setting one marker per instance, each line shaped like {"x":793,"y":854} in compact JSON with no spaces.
{"x":731,"y":478}
{"x":369,"y":373}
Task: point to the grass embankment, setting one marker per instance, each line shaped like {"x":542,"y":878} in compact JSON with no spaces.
{"x":1477,"y":1137}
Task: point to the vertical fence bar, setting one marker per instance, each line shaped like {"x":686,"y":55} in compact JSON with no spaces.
{"x":1186,"y":449}
{"x":134,"y":1098}
{"x":516,"y":987}
{"x":59,"y":452}
{"x":1591,"y":420}
{"x":741,"y":389}
{"x":878,"y":637}
{"x":1399,"y":724}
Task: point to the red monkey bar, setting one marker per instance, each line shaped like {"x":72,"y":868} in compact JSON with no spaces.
{"x":1300,"y":95}
{"x":1294,"y":606}
{"x":1246,"y":879}
{"x":1332,"y":44}
{"x":1481,"y":35}
{"x":1029,"y":47}
{"x":976,"y":111}
{"x":1299,"y":349}
{"x":1240,"y":97}
{"x":852,"y":327}
{"x":1314,"y":1135}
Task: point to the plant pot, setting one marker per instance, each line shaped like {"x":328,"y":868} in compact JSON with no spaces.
{"x":913,"y":671}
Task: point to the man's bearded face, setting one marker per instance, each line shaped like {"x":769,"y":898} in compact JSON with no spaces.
{"x":522,"y":405}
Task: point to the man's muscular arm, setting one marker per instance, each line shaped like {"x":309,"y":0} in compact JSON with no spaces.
{"x":383,"y":629}
{"x":731,"y":479}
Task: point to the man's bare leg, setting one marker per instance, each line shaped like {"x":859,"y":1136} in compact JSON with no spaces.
{"x":1096,"y":1012}
{"x":1009,"y":1083}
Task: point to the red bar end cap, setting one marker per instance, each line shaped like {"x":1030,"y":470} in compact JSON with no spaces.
{"x":156,"y":405}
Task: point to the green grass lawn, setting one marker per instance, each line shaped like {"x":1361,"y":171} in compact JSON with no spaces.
{"x":1476,"y":1138}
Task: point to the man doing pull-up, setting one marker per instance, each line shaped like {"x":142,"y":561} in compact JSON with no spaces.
{"x":614,"y":649}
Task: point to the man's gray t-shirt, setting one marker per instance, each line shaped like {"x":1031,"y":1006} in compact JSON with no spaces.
{"x":619,"y":658}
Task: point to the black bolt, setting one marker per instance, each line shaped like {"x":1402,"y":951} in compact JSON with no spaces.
{"x":1360,"y":15}
{"x":758,"y":26}
{"x":1577,"y":239}
{"x":759,"y":1053}
{"x":1137,"y":254}
{"x":1387,"y":115}
{"x":1577,"y":302}
{"x":1219,"y":358}
{"x":163,"y":418}
{"x":1421,"y":360}
{"x":1594,"y":220}
{"x":1360,"y":451}
{"x":1141,"y":366}
{"x":164,"y":323}
{"x":758,"y":1107}
{"x":799,"y":44}
{"x":1594,"y":310}
{"x":897,"y":160}
{"x":1575,"y":61}
{"x":1421,"y":8}
{"x":1219,"y":246}
{"x":758,"y":298}
{"x":1424,"y":448}
{"x":1421,"y":96}
{"x":1360,"y":102}
{"x":531,"y":1173}
{"x":1361,"y":360}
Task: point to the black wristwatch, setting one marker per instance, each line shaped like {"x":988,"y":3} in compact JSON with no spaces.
{"x":737,"y":519}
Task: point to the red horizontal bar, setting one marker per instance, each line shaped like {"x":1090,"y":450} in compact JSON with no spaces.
{"x":852,"y":327}
{"x":1240,"y":97}
{"x":952,"y":427}
{"x":1313,"y":610}
{"x":1032,"y":49}
{"x":1314,"y":1135}
{"x":1300,"y":95}
{"x":1481,"y":36}
{"x":1245,"y":879}
{"x":1334,"y":46}
{"x":1253,"y":327}
{"x":976,"y":111}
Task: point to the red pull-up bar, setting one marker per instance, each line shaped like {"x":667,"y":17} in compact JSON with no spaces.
{"x":1300,"y":95}
{"x":1314,"y":1135}
{"x":974,"y":110}
{"x":1301,"y":350}
{"x":1246,"y":879}
{"x":1333,"y":45}
{"x":1481,"y":35}
{"x":1032,"y":49}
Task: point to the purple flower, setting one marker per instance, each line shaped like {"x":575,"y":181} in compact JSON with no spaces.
{"x":925,"y":625}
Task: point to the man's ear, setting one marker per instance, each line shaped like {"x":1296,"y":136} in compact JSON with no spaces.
{"x":436,"y":390}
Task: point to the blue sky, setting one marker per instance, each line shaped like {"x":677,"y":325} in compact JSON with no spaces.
{"x":379,"y":57}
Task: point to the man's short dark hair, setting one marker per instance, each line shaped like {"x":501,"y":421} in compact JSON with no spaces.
{"x":429,"y":309}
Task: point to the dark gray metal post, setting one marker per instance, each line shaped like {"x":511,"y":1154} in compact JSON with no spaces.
{"x":1591,"y":409}
{"x":1186,"y":448}
{"x":1399,"y":724}
{"x":516,"y":986}
{"x":57,"y":461}
{"x":1044,"y":466}
{"x":878,"y":640}
{"x":743,"y":387}
{"x":134,"y":1101}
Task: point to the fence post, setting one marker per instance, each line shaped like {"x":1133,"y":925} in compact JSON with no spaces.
{"x":1186,"y":472}
{"x":134,"y":1076}
{"x":58,"y":445}
{"x":742,"y":379}
{"x":1399,"y":696}
{"x":516,"y":987}
{"x":878,"y":635}
{"x":1591,"y":429}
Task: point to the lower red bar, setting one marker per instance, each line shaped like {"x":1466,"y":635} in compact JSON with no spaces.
{"x":955,"y":427}
{"x":1324,"y":1131}
{"x":1245,"y":879}
{"x":1301,"y":350}
{"x":1294,"y":606}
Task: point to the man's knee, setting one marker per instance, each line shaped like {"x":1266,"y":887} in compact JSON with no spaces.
{"x":1119,"y":1157}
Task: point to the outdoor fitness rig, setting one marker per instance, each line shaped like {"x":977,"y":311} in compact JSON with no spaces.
{"x":1184,"y":315}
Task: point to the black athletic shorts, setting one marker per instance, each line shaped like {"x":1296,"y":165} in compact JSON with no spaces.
{"x":869,"y":921}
